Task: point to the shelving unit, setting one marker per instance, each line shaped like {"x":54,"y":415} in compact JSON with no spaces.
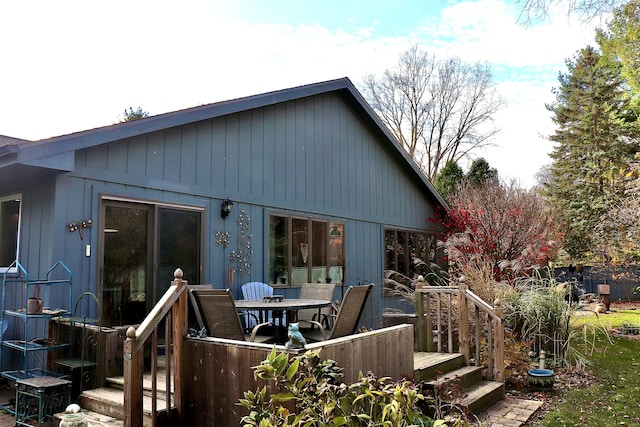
{"x":35,"y":339}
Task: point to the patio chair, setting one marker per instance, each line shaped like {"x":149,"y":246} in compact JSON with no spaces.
{"x":219,"y":316}
{"x":346,"y":321}
{"x":195,"y":319}
{"x":318,"y":291}
{"x":257,"y":290}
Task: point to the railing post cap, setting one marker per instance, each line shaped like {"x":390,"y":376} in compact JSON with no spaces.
{"x":420,"y":282}
{"x":131,"y":333}
{"x":178,"y":274}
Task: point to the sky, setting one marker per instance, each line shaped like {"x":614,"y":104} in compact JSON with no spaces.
{"x":68,"y":65}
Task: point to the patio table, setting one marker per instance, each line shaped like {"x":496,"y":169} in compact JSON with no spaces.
{"x":289,"y":306}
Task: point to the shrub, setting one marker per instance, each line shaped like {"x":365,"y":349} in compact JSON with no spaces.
{"x":312,"y":386}
{"x":539,"y":311}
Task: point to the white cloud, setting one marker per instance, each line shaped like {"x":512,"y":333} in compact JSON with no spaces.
{"x":74,"y":65}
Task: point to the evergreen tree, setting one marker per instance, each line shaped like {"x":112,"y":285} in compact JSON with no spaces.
{"x":622,"y":38}
{"x":480,"y":172}
{"x":448,"y":179}
{"x":591,"y":113}
{"x":131,"y":114}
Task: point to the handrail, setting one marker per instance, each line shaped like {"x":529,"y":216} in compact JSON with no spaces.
{"x":153,"y":319}
{"x":494,"y":326}
{"x":172,"y":308}
{"x":482,"y":304}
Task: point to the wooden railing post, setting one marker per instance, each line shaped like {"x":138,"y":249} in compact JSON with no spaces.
{"x":133,"y":384}
{"x":180,"y":325}
{"x":420,"y":315}
{"x":463,"y":318}
{"x":498,"y":331}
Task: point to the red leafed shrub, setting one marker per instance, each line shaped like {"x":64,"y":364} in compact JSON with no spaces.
{"x":505,"y":228}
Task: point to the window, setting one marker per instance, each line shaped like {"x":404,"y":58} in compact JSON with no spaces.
{"x":9,"y":230}
{"x":303,"y":250}
{"x":409,"y":253}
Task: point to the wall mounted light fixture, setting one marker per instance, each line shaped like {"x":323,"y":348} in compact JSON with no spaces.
{"x":227,"y":207}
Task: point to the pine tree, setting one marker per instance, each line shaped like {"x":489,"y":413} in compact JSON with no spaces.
{"x":480,"y":172}
{"x":591,"y":113}
{"x":448,"y":179}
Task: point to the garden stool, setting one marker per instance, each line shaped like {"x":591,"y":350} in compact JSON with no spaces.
{"x":51,"y":394}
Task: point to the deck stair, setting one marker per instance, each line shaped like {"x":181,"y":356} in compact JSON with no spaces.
{"x":104,"y":406}
{"x":449,"y":371}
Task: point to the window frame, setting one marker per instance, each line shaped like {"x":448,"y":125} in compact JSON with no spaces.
{"x":8,"y":269}
{"x":312,"y":223}
{"x":407,"y":240}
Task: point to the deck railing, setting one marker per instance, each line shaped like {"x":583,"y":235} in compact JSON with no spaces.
{"x":479,"y":325}
{"x":172,"y":309}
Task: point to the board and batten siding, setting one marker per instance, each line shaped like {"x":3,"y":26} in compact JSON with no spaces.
{"x":311,"y":156}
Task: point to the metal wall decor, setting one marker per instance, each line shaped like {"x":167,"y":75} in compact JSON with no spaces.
{"x":222,"y":238}
{"x":243,"y":254}
{"x":79,"y":225}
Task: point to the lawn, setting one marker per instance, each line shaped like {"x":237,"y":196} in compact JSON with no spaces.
{"x":612,"y":397}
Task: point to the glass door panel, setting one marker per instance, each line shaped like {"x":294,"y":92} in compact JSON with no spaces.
{"x":126,"y":260}
{"x":178,"y":247}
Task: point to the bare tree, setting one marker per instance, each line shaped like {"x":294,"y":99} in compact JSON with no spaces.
{"x":438,"y":110}
{"x":585,"y":10}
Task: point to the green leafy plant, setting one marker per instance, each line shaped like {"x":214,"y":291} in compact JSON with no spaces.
{"x":310,"y":393}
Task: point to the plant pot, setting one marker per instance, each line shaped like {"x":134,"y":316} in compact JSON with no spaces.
{"x":541,"y":378}
{"x":34,"y":306}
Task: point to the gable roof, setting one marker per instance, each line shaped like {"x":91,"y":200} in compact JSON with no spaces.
{"x":57,"y":154}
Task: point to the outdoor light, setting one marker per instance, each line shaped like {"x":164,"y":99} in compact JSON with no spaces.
{"x":227,"y":207}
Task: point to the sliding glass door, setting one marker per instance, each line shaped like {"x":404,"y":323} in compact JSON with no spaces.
{"x":142,"y":245}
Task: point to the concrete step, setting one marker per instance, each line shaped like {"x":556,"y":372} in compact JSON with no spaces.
{"x":462,"y":377}
{"x":480,"y":396}
{"x":429,"y":366}
{"x":93,"y":419}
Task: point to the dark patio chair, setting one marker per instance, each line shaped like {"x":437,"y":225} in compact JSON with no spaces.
{"x":194,"y":316}
{"x":318,"y":291}
{"x":346,"y":321}
{"x":219,"y":316}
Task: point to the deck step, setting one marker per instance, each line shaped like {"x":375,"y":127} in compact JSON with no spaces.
{"x":462,"y":377}
{"x":429,"y":366}
{"x":118,"y":383}
{"x":110,"y":401}
{"x":439,"y":370}
{"x":482,"y":395}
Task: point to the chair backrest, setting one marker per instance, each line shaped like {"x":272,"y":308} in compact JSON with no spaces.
{"x":218,"y":312}
{"x":195,"y":319}
{"x":350,"y":311}
{"x":256,"y":290}
{"x":316,"y":291}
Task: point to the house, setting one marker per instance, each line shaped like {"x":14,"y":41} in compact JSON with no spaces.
{"x":299,"y":185}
